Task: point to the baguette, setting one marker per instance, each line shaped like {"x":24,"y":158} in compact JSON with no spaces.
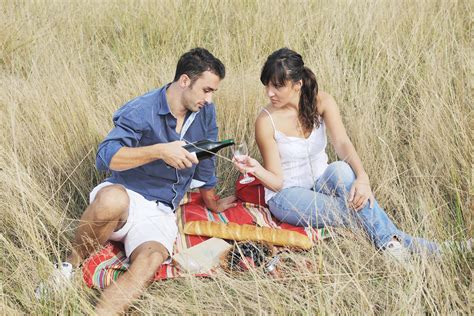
{"x":232,"y":231}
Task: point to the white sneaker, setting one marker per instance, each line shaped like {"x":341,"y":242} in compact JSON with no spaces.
{"x":396,"y":250}
{"x":62,"y":274}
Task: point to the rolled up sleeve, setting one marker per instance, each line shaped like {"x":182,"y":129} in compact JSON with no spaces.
{"x":127,"y":132}
{"x":206,"y":169}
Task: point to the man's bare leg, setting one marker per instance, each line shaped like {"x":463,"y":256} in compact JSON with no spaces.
{"x":145,"y":260}
{"x":106,"y":214}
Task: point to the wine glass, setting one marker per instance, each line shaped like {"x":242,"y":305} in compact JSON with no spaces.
{"x":240,"y":154}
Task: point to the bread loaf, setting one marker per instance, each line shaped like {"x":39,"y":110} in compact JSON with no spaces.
{"x":232,"y":231}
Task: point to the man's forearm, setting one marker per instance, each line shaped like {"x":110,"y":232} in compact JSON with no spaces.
{"x":210,"y":199}
{"x":131,"y":157}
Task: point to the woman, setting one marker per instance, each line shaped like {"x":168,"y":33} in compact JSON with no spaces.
{"x":301,"y":188}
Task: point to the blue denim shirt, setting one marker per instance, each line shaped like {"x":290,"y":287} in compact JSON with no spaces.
{"x":147,"y":120}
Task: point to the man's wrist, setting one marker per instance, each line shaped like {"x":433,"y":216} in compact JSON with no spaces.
{"x":210,"y":198}
{"x":212,"y":205}
{"x":156,"y":151}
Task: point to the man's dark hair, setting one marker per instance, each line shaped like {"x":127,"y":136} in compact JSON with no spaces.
{"x":197,"y":61}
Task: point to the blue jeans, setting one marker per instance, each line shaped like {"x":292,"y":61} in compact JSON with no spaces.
{"x":326,"y":205}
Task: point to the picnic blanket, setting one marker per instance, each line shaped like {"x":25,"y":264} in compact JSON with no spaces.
{"x":105,"y":266}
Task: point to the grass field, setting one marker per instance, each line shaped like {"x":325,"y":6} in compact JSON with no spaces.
{"x":401,"y":72}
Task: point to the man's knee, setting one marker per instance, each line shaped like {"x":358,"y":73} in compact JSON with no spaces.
{"x":111,"y":203}
{"x":149,"y":256}
{"x":153,"y":259}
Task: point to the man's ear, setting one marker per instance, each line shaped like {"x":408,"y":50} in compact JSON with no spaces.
{"x":184,"y":81}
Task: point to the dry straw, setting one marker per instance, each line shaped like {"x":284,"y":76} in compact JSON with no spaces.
{"x":399,"y":71}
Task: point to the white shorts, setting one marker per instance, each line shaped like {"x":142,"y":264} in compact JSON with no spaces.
{"x":147,"y":221}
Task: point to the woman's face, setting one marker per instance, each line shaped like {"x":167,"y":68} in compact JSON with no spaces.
{"x":283,"y":95}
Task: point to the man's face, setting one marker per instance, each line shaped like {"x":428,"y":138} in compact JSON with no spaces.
{"x":199,"y":93}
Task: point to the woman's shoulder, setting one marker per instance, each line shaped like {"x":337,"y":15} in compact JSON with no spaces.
{"x":325,"y":100}
{"x":324,"y":97}
{"x":264,"y":119}
{"x":264,"y":114}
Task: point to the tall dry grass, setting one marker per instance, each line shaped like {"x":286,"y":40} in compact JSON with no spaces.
{"x":399,"y":70}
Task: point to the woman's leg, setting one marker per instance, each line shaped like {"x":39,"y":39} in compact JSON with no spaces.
{"x":304,"y":207}
{"x":328,"y":207}
{"x":337,"y":180}
{"x":419,"y":245}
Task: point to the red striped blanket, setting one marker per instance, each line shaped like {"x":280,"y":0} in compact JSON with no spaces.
{"x":110,"y":262}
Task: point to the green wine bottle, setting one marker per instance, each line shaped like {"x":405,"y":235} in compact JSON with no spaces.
{"x":205,"y":149}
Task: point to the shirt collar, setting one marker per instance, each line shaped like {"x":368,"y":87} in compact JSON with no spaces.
{"x":164,"y":107}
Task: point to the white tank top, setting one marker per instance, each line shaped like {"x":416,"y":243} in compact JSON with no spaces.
{"x":303,"y":160}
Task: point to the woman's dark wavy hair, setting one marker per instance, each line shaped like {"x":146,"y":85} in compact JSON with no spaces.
{"x":286,"y":65}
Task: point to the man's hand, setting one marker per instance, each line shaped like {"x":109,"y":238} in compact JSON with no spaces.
{"x":216,"y":205}
{"x":225,"y":203}
{"x":176,"y":156}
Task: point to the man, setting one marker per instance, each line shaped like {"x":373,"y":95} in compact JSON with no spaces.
{"x":151,"y":172}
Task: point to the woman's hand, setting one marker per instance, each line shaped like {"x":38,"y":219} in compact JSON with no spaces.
{"x":247,"y":165}
{"x":360,"y":193}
